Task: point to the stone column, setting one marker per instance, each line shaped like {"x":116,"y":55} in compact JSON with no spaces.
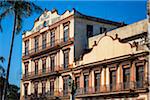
{"x":107,"y":79}
{"x":132,"y":78}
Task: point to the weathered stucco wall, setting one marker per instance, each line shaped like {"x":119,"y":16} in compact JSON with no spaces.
{"x":81,"y":39}
{"x":124,"y":32}
{"x":107,"y":48}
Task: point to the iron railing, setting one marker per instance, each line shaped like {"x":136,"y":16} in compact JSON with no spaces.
{"x":40,"y":72}
{"x":46,"y":71}
{"x":47,"y":95}
{"x":111,"y":88}
{"x":51,"y":44}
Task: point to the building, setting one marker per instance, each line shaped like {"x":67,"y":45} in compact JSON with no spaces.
{"x":116,"y":68}
{"x":103,"y":57}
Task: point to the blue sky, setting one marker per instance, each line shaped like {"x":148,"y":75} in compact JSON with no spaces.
{"x":127,"y":11}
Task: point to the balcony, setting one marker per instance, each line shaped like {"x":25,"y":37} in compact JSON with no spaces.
{"x":51,"y":46}
{"x":47,"y":96}
{"x":65,"y":68}
{"x":119,"y":89}
{"x":41,"y":73}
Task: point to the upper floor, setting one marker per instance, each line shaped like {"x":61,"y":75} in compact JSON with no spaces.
{"x":53,"y":30}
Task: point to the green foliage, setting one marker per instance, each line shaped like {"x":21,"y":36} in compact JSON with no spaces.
{"x":21,"y":8}
{"x":13,"y":92}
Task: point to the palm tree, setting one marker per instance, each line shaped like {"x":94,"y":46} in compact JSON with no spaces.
{"x":2,"y":76}
{"x":20,"y":9}
{"x":2,"y":70}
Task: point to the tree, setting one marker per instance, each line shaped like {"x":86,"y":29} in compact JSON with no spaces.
{"x":20,"y":9}
{"x":2,"y":75}
{"x":13,"y":92}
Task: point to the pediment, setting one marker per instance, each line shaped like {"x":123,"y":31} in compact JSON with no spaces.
{"x":107,"y":48}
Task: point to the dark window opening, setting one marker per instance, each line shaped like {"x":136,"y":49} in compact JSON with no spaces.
{"x":43,"y":87}
{"x":36,"y":89}
{"x":66,"y":59}
{"x":44,"y":41}
{"x":52,"y":39}
{"x":113,"y":80}
{"x":65,"y":86}
{"x":25,"y":90}
{"x":89,"y":30}
{"x":126,"y":78}
{"x":36,"y":43}
{"x":77,"y":83}
{"x":44,"y":24}
{"x":139,"y":76}
{"x":52,"y":63}
{"x":66,"y":33}
{"x":86,"y":83}
{"x":44,"y":66}
{"x":52,"y":87}
{"x":36,"y":68}
{"x":97,"y":82}
{"x":26,"y":69}
{"x":102,"y":30}
{"x":26,"y":47}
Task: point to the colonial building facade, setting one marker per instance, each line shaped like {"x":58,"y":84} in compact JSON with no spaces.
{"x":106,"y":59}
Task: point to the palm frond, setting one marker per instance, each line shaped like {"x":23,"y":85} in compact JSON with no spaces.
{"x":35,"y":8}
{"x":4,"y":4}
{"x":18,"y":24}
{"x":2,"y":59}
{"x":3,"y":15}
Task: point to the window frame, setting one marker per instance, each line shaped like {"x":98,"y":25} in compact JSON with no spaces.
{"x":89,"y":30}
{"x":52,"y":38}
{"x":36,"y":43}
{"x":44,"y":36}
{"x":26,"y":47}
{"x":52,"y":63}
{"x":66,"y":59}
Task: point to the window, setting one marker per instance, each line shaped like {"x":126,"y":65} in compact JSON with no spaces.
{"x":44,"y":66}
{"x":65,"y":86}
{"x":43,"y":87}
{"x":86,"y":83}
{"x":52,"y":63}
{"x":44,"y":41}
{"x":52,"y":87}
{"x":77,"y":82}
{"x":36,"y":67}
{"x":126,"y":77}
{"x":25,"y":90}
{"x":36,"y":43}
{"x":102,"y":30}
{"x":89,"y":30}
{"x":26,"y":47}
{"x":66,"y":33}
{"x":44,"y":24}
{"x":52,"y":38}
{"x":26,"y":69}
{"x":36,"y":89}
{"x":97,"y":82}
{"x":139,"y":76}
{"x":112,"y":80}
{"x":66,"y":59}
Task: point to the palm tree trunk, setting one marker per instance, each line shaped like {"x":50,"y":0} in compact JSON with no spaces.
{"x":9,"y":59}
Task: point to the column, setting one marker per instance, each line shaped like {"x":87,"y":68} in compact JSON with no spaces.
{"x":132,"y":78}
{"x":107,"y":78}
{"x":90,"y":82}
{"x":102,"y":80}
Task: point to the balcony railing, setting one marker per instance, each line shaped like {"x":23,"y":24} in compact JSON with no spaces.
{"x":56,"y":95}
{"x":59,"y":42}
{"x":65,"y":67}
{"x":111,"y":88}
{"x":46,"y":71}
{"x":40,"y":72}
